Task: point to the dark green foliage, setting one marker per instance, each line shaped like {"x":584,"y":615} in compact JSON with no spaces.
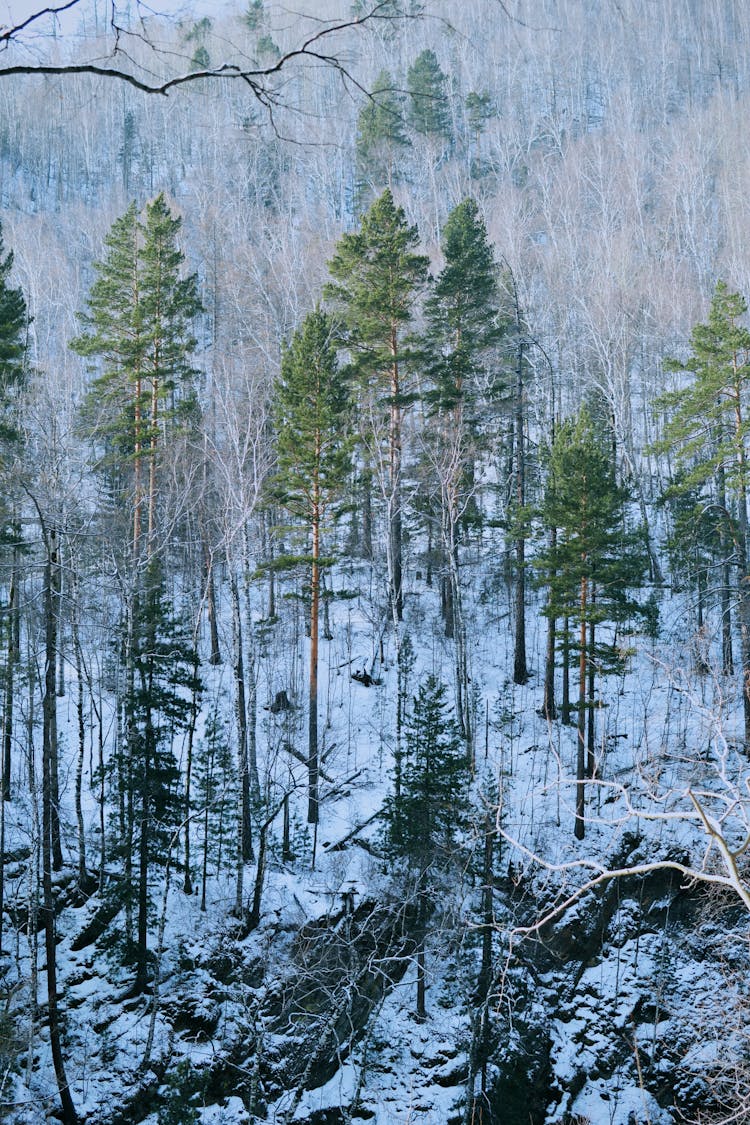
{"x":428,"y":105}
{"x":13,"y":375}
{"x":311,"y":415}
{"x":376,"y":275}
{"x":462,"y":311}
{"x":13,"y":321}
{"x":138,"y":329}
{"x":214,"y":792}
{"x":380,"y":133}
{"x":268,"y":49}
{"x":708,"y":424}
{"x":696,"y":538}
{"x":159,"y":708}
{"x":594,"y":545}
{"x":201,"y":59}
{"x":479,"y":110}
{"x":422,"y":821}
{"x":707,"y":430}
{"x":184,"y":1087}
{"x":254,"y":15}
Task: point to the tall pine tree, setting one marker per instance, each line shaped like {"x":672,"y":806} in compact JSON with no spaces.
{"x":708,"y":430}
{"x":428,"y":103}
{"x":590,"y":567}
{"x":138,"y":335}
{"x":376,"y":277}
{"x":313,"y":449}
{"x":462,"y":326}
{"x":380,"y":135}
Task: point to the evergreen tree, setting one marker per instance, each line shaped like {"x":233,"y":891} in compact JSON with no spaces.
{"x":426,"y":812}
{"x":462,"y":313}
{"x":138,"y":332}
{"x":377,"y":275}
{"x":138,"y":328}
{"x":380,"y":134}
{"x":462,"y":326}
{"x":428,"y":104}
{"x":708,"y":431}
{"x":13,"y":369}
{"x":313,"y":450}
{"x":159,"y":708}
{"x":214,"y":795}
{"x":13,"y":379}
{"x":254,"y":15}
{"x":591,"y":565}
{"x":699,"y":552}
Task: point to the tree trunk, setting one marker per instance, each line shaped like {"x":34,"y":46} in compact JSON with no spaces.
{"x":421,"y":1012}
{"x":240,"y":707}
{"x":188,"y":883}
{"x":395,"y":529}
{"x":591,"y":741}
{"x":213,"y":628}
{"x":49,"y":753}
{"x":520,"y":667}
{"x":144,"y":844}
{"x":727,"y":659}
{"x":549,"y":709}
{"x":565,"y":706}
{"x":244,"y":841}
{"x":581,"y":740}
{"x":83,"y":877}
{"x":54,"y":565}
{"x":11,"y":662}
{"x":312,"y":739}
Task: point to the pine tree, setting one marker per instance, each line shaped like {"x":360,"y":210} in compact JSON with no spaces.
{"x":313,"y":449}
{"x":13,"y":368}
{"x":377,"y":275}
{"x":138,"y":325}
{"x":159,"y":708}
{"x":428,"y":104}
{"x":138,"y":333}
{"x":462,"y":327}
{"x":424,"y":816}
{"x":380,"y":135}
{"x":699,"y":551}
{"x":213,"y":795}
{"x":592,"y":564}
{"x":13,"y":379}
{"x":708,"y":431}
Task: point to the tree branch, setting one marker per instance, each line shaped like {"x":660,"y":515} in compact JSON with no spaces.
{"x":257,"y":78}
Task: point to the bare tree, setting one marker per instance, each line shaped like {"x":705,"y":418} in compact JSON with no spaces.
{"x":139,"y":54}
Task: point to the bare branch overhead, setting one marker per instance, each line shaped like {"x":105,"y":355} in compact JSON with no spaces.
{"x":321,"y":47}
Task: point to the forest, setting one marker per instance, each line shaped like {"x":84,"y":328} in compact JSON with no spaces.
{"x":374,"y":563}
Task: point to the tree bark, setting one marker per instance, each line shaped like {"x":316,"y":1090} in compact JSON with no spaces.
{"x":11,"y":662}
{"x":520,"y":667}
{"x":312,"y":739}
{"x":54,"y":565}
{"x":49,"y":753}
{"x":581,"y":740}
